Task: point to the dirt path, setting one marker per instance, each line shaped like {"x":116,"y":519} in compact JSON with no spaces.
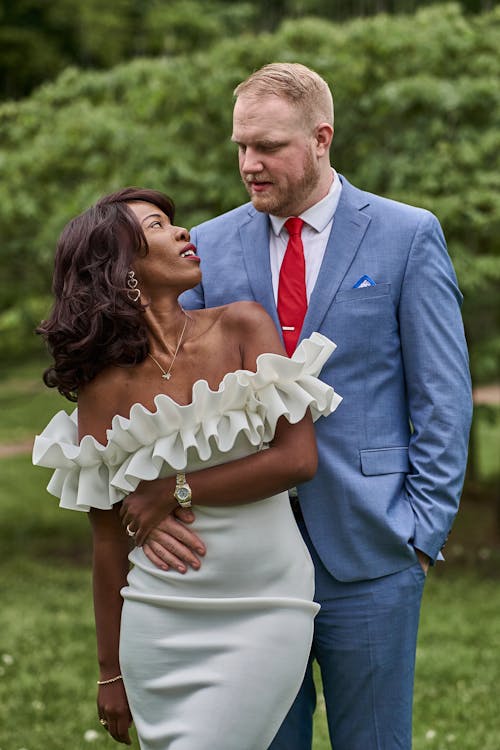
{"x":489,"y":394}
{"x":16,"y":449}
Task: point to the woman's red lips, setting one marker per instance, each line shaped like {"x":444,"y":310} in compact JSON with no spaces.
{"x":188,"y":251}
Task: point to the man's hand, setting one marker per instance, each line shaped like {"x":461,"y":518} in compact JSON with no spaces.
{"x":423,"y":559}
{"x":172,"y":545}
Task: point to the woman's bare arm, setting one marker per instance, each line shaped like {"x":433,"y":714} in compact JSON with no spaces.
{"x":111,"y":547}
{"x":110,"y":567}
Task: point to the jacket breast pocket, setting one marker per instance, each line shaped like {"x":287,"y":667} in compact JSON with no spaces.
{"x":363,"y":293}
{"x":363,"y":322}
{"x":384,"y":461}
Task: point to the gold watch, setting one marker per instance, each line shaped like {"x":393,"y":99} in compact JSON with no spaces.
{"x":182,"y":492}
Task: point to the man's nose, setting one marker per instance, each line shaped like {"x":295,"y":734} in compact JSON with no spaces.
{"x":251,"y":162}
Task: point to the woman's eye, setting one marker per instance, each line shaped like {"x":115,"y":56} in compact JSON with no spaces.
{"x":155,"y":224}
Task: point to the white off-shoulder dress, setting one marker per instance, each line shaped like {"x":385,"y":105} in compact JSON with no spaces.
{"x":212,"y":659}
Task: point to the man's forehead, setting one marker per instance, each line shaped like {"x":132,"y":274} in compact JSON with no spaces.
{"x":270,"y":119}
{"x":259,"y":133}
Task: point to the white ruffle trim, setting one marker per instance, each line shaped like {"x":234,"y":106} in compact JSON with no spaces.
{"x":146,"y":445}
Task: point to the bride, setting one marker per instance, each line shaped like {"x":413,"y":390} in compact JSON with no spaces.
{"x":209,"y":402}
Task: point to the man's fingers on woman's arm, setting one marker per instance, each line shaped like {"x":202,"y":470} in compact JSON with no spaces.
{"x":175,"y":529}
{"x":148,"y":551}
{"x":166,"y":561}
{"x":167,"y":552}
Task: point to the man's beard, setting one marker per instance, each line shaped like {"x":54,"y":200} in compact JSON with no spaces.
{"x":290,"y":201}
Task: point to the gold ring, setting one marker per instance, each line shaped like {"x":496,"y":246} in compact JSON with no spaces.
{"x":129,"y":530}
{"x":103,"y":722}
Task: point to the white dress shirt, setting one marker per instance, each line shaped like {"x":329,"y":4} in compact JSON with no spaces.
{"x":315,"y":233}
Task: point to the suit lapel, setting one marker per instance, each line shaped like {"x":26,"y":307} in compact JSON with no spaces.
{"x":348,"y":229}
{"x":254,"y":236}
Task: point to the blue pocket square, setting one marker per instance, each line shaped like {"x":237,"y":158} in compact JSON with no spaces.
{"x":363,"y":281}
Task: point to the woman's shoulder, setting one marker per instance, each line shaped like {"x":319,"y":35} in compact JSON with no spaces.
{"x":246,"y":313}
{"x":102,"y":398}
{"x":234,"y":316}
{"x":108,"y":381}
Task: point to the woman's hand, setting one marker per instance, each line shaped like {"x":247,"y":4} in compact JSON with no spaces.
{"x":114,"y":712}
{"x":147,"y":507}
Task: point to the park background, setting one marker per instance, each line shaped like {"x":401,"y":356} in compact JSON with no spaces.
{"x":95,"y":96}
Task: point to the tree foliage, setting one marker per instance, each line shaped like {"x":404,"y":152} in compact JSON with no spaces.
{"x":39,"y":39}
{"x":417,"y":120}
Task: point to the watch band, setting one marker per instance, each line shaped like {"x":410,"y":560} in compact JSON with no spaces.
{"x":182,"y":492}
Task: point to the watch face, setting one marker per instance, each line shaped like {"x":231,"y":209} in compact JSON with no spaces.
{"x":183,"y":493}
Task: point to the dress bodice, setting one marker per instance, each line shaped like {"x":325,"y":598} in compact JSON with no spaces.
{"x":218,"y":425}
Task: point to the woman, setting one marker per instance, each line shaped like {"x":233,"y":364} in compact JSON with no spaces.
{"x":212,"y":658}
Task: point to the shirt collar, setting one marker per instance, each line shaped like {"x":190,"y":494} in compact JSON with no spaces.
{"x":318,"y":216}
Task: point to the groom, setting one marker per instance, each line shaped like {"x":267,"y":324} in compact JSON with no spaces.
{"x":377,"y":279}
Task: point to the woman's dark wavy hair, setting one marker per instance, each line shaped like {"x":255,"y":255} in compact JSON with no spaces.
{"x":93,"y":323}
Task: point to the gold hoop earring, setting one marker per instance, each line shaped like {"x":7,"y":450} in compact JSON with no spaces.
{"x":133,"y":292}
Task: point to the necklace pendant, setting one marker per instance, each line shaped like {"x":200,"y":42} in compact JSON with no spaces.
{"x":166,"y":376}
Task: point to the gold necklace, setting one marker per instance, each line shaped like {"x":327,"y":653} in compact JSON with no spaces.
{"x":166,"y":374}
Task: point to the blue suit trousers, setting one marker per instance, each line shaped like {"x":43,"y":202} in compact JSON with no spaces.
{"x":365,"y":644}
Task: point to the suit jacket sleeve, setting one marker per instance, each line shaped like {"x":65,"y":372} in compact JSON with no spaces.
{"x":438,"y":385}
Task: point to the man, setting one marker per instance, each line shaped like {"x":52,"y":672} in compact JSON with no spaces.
{"x":379,"y":282}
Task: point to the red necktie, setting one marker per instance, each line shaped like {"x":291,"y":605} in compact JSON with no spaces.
{"x":292,"y":298}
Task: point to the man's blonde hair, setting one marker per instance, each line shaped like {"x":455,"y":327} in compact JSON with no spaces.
{"x":296,"y":83}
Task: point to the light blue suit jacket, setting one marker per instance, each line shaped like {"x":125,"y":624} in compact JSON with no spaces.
{"x":393,"y":455}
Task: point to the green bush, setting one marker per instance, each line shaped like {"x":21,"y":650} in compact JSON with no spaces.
{"x":417,"y":119}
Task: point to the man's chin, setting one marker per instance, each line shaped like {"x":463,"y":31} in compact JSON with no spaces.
{"x":263,"y":203}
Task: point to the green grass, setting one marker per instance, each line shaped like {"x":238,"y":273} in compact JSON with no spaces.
{"x":457,"y":665}
{"x":31,"y":523}
{"x":489,"y":442}
{"x":48,"y":665}
{"x":47,"y":649}
{"x":26,"y":404}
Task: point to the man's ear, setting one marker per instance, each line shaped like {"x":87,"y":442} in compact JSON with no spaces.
{"x":323,"y":137}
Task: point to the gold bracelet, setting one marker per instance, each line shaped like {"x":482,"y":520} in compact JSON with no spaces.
{"x":113,"y":679}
